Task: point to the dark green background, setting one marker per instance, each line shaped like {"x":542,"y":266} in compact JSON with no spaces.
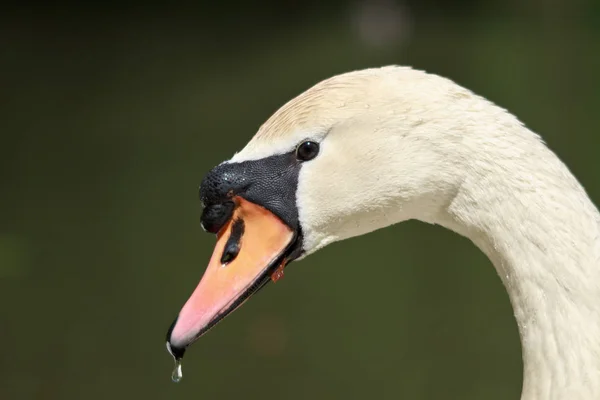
{"x":109,"y":120}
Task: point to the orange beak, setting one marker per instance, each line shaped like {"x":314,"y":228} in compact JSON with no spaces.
{"x":250,"y":250}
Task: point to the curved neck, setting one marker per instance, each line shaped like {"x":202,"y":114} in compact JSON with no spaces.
{"x":542,"y":233}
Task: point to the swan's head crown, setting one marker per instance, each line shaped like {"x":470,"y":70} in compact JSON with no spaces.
{"x":390,"y":148}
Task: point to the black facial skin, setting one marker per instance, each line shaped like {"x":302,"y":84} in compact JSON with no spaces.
{"x":270,"y":182}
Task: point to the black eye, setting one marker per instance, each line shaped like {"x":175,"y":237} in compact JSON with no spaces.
{"x":307,"y":150}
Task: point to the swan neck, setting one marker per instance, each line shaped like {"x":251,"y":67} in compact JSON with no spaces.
{"x":544,"y":244}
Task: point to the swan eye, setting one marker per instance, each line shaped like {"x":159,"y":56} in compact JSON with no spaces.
{"x":307,"y":150}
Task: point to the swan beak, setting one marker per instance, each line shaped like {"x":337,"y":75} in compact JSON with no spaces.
{"x":250,"y":250}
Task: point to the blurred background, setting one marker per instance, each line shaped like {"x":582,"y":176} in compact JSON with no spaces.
{"x":111,"y":115}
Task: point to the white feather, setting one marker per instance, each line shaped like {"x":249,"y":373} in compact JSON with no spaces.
{"x":399,"y":144}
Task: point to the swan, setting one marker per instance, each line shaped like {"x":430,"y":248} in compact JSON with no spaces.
{"x":366,"y":149}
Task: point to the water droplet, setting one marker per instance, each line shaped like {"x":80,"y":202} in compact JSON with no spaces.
{"x":177,"y":375}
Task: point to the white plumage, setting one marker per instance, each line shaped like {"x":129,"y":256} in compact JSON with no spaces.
{"x":399,"y":144}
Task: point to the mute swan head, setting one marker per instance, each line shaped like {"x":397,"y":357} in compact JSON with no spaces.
{"x":367,"y":149}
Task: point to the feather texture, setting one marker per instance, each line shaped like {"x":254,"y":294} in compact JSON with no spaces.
{"x":399,"y":144}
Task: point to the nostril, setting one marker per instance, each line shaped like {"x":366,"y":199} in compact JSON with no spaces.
{"x":233,"y":245}
{"x":230,"y":253}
